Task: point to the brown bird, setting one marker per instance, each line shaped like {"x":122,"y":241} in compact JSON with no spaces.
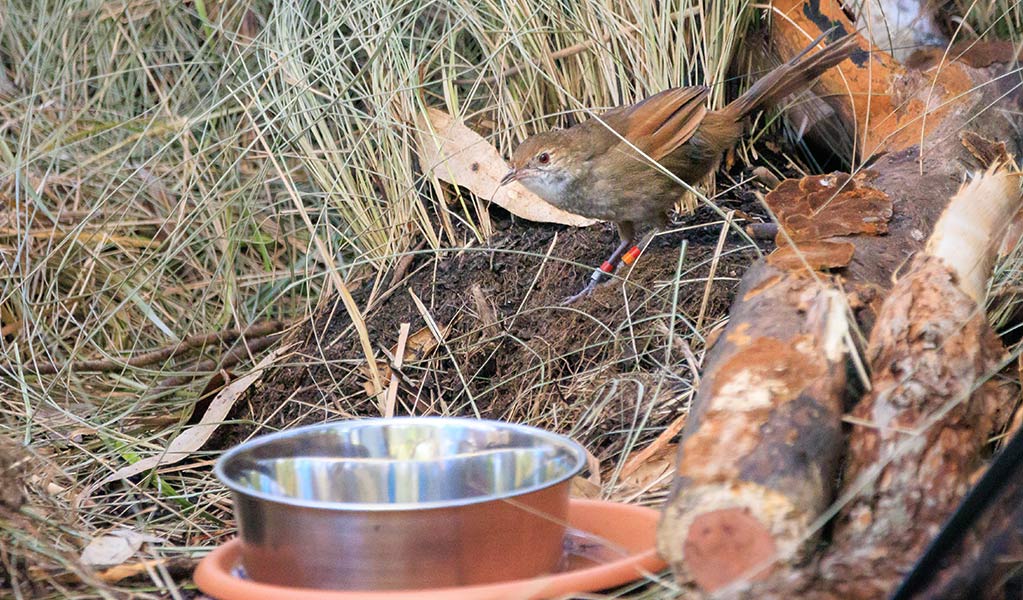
{"x":603,"y":169}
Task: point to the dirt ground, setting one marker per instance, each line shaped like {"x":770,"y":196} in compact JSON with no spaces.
{"x":510,"y":351}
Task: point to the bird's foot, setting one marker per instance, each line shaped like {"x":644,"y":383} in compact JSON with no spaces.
{"x":586,"y":291}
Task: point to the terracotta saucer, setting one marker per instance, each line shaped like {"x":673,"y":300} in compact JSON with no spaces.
{"x":627,"y":529}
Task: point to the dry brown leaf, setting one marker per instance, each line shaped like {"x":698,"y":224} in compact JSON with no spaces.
{"x":639,"y":457}
{"x":115,"y":547}
{"x":581,"y":487}
{"x":656,"y":467}
{"x":422,"y":343}
{"x":120,"y":572}
{"x":456,"y":154}
{"x":417,"y":347}
{"x":484,"y":309}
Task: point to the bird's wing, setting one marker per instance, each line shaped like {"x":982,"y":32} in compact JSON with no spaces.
{"x":662,"y":122}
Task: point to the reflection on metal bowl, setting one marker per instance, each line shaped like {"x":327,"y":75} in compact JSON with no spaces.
{"x":402,"y":503}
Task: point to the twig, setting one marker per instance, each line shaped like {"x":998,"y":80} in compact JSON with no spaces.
{"x":191,"y":342}
{"x":229,"y":359}
{"x":399,"y":359}
{"x":762,"y":231}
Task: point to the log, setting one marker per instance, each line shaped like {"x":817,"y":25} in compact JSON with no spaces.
{"x":745,"y":505}
{"x":978,"y":553}
{"x":917,"y":437}
{"x":759,"y":451}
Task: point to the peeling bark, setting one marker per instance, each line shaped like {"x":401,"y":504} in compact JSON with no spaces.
{"x":918,"y":436}
{"x":760,"y":449}
{"x":726,"y":521}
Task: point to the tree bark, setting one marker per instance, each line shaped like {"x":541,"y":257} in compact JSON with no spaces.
{"x":759,"y":456}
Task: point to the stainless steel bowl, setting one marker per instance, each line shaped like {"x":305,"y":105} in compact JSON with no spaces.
{"x":402,"y":503}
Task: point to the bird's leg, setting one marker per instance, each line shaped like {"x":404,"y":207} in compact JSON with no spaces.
{"x":625,"y":252}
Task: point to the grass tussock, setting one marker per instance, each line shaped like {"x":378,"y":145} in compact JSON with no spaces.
{"x":174,"y":170}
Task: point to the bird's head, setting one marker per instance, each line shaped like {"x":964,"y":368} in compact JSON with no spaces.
{"x":544,"y":163}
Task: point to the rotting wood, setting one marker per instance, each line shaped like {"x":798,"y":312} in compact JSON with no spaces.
{"x":909,"y":469}
{"x":760,"y":447}
{"x":724,"y":523}
{"x":918,"y":436}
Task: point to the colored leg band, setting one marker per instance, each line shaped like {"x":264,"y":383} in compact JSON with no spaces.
{"x":631,"y":256}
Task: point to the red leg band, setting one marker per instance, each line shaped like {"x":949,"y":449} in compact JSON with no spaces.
{"x":607,"y":267}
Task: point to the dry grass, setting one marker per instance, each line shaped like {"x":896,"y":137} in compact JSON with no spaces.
{"x":178,"y":169}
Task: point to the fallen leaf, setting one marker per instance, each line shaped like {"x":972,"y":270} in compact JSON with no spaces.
{"x":456,"y":154}
{"x":639,"y":457}
{"x":656,"y":468}
{"x":114,"y":548}
{"x":581,"y":487}
{"x":417,"y":347}
{"x":119,"y":572}
{"x":485,"y":311}
{"x":421,"y":343}
{"x":169,"y":564}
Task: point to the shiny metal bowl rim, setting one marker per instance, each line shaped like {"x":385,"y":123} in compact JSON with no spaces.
{"x":555,"y":439}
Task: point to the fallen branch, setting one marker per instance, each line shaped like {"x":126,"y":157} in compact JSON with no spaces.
{"x":760,"y":444}
{"x":229,"y":359}
{"x":918,"y":436}
{"x":921,"y":430}
{"x":758,"y":457}
{"x":191,"y":342}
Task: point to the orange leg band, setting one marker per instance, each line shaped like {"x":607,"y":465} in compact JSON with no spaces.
{"x":631,"y":256}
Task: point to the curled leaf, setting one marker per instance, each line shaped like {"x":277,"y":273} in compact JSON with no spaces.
{"x":458,"y":155}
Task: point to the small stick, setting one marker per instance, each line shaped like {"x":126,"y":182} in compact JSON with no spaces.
{"x":766,"y":177}
{"x":229,"y":359}
{"x":399,"y":359}
{"x":191,"y":342}
{"x":762,"y":231}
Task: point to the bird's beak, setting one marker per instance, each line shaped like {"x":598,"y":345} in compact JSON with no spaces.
{"x":510,"y":176}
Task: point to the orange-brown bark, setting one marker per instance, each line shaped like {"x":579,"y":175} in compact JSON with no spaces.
{"x":755,"y":470}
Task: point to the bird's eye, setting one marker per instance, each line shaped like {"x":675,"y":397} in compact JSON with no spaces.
{"x":543,"y":158}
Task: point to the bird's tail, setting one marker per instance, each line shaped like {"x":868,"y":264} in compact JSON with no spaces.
{"x":793,"y":76}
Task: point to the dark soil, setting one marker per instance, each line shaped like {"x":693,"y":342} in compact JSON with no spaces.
{"x":511,"y":352}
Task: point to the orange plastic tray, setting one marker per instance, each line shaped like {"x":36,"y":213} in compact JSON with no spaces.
{"x":631,"y":528}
